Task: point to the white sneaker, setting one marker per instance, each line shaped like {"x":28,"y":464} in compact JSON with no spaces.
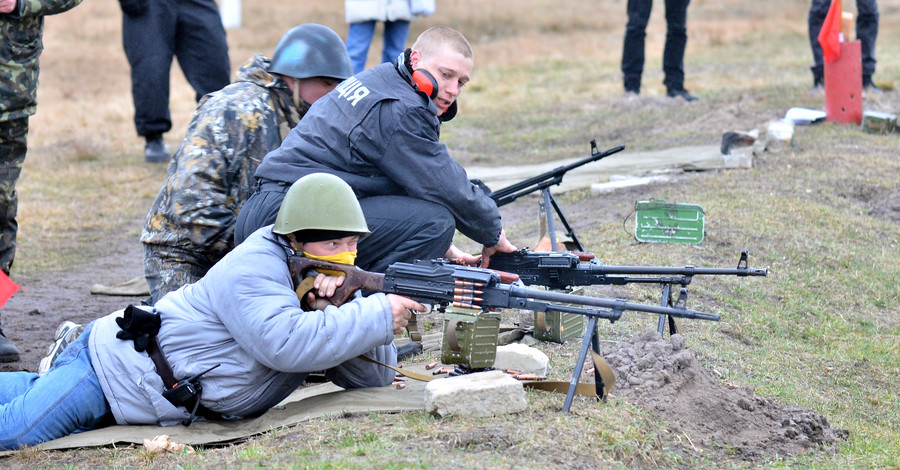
{"x":65,"y":335}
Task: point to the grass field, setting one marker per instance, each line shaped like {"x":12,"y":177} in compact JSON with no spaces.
{"x":821,"y":332}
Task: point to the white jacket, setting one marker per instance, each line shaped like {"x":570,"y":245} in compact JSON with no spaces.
{"x":357,"y":11}
{"x":244,"y":315}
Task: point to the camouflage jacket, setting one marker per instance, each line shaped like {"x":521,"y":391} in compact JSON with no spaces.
{"x":211,"y":174}
{"x":21,"y":31}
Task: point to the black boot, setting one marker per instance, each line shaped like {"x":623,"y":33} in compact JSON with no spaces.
{"x":8,"y":351}
{"x":681,"y":93}
{"x":156,"y":150}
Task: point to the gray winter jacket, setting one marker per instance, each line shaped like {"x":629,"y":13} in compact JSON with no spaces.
{"x":244,"y":315}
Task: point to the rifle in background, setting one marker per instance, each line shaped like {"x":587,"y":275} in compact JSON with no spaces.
{"x":542,"y":183}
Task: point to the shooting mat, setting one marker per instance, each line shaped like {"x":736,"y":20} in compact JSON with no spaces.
{"x":310,"y":402}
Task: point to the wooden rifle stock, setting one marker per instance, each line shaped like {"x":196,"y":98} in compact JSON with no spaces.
{"x":354,"y":278}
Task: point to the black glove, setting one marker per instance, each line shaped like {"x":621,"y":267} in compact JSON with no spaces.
{"x":139,"y":325}
{"x":134,"y":7}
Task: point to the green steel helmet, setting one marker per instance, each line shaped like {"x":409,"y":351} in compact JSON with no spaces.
{"x":311,"y":50}
{"x":320,"y":202}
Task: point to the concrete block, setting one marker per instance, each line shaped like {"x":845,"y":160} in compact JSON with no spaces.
{"x":522,"y":358}
{"x":475,"y":395}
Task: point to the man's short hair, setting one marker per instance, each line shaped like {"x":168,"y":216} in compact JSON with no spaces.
{"x":433,"y":40}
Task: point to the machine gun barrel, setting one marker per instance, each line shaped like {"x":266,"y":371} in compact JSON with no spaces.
{"x":553,"y":177}
{"x":441,"y":283}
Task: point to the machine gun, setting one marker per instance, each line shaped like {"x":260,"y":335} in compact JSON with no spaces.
{"x":542,"y":183}
{"x":561,"y":270}
{"x":440,"y":283}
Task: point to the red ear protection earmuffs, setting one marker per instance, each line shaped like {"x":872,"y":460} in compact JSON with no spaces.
{"x":425,"y":82}
{"x":420,"y":79}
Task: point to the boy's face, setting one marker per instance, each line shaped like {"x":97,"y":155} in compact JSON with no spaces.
{"x":450,"y":69}
{"x":330,"y":247}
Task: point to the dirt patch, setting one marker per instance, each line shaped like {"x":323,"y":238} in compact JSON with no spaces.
{"x":887,"y":206}
{"x":47,"y":299}
{"x":665,"y":378}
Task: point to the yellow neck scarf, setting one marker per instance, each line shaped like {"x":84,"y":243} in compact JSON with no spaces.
{"x":347,"y":257}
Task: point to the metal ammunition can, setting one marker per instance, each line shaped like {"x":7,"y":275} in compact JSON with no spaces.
{"x":470,"y":337}
{"x":558,"y":327}
{"x":878,"y":123}
{"x":666,"y":222}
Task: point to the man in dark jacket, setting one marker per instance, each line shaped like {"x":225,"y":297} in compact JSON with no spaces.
{"x":21,"y":30}
{"x":190,"y":226}
{"x":379,"y":131}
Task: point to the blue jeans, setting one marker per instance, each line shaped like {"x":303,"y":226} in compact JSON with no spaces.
{"x":67,"y":399}
{"x":359,"y":37}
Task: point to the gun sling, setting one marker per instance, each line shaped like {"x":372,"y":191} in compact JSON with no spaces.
{"x":142,"y":326}
{"x":598,"y":390}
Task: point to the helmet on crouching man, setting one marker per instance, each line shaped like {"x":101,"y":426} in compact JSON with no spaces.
{"x":311,"y":50}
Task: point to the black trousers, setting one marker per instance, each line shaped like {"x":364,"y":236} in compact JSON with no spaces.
{"x":866,"y":32}
{"x":673,"y":53}
{"x":189,"y":30}
{"x":404,"y":229}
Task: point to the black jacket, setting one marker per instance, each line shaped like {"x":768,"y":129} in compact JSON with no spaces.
{"x":381,"y":136}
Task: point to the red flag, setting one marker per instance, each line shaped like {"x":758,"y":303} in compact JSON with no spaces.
{"x":7,"y":288}
{"x":830,"y":34}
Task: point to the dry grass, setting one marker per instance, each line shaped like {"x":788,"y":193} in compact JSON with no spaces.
{"x":547,"y":82}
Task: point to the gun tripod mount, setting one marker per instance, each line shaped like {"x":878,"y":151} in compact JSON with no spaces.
{"x":542,"y":183}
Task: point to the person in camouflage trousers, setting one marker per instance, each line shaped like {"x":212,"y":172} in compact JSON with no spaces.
{"x":21,"y":30}
{"x":191,"y":223}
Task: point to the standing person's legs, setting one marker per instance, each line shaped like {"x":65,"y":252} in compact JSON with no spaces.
{"x":201,"y":46}
{"x":395,"y":35}
{"x":359,"y":37}
{"x":404,"y":229}
{"x":867,"y":32}
{"x":35,"y":409}
{"x":818,"y":10}
{"x":676,"y":42}
{"x":13,"y":147}
{"x":149,"y":46}
{"x":633,"y":46}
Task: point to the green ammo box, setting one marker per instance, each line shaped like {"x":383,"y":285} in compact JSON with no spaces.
{"x":667,"y":222}
{"x":470,"y":337}
{"x":558,"y":327}
{"x":878,"y":123}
